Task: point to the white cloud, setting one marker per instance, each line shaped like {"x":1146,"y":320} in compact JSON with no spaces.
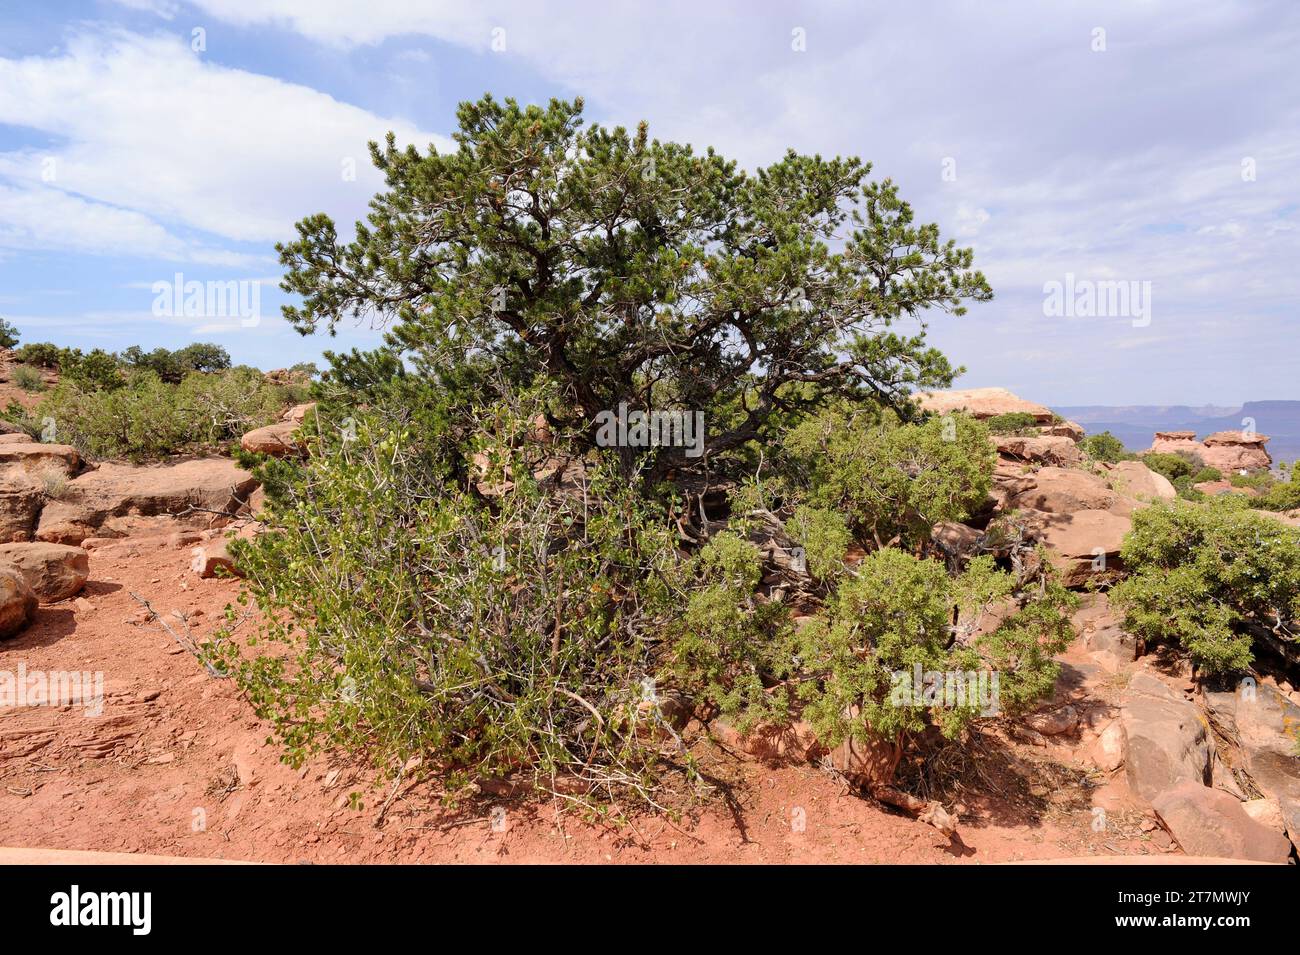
{"x":35,"y":217}
{"x":150,"y":133}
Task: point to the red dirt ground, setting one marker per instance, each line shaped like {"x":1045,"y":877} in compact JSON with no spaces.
{"x":175,"y":747}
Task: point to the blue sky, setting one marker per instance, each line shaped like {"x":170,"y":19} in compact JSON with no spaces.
{"x":1134,"y":142}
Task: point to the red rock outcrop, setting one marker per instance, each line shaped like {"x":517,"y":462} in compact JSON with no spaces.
{"x":1228,"y":451}
{"x":207,"y":491}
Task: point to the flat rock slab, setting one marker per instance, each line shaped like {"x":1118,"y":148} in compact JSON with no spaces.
{"x":1165,"y":738}
{"x":1208,"y":821}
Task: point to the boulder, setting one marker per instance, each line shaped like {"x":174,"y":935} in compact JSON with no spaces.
{"x":1265,"y":812}
{"x":121,"y":494}
{"x":774,"y":744}
{"x":1081,"y":545}
{"x":36,"y":458}
{"x":1062,"y":491}
{"x":1165,"y":738}
{"x":869,"y":763}
{"x":1209,"y":822}
{"x":298,"y":413}
{"x":1228,"y":451}
{"x":1116,"y":641}
{"x":955,"y":540}
{"x":1065,"y":429}
{"x":1266,"y":725}
{"x":1107,"y":750}
{"x":1215,"y":488}
{"x":213,"y":559}
{"x":17,"y":601}
{"x":1040,"y":449}
{"x":279,"y":439}
{"x":1009,"y":479}
{"x":53,"y":571}
{"x":15,"y":437}
{"x":1102,"y":629}
{"x":1053,"y":722}
{"x":982,"y":403}
{"x":21,"y":498}
{"x":1135,"y":480}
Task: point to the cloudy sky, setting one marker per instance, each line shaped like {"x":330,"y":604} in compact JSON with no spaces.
{"x":1153,"y":144}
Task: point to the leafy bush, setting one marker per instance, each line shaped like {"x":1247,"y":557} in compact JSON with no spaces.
{"x":1284,"y":493}
{"x":146,"y":418}
{"x":41,"y":354}
{"x":96,"y":370}
{"x":1014,"y":422}
{"x":28,"y":379}
{"x":891,"y":482}
{"x":173,"y":366}
{"x":1186,"y":488}
{"x":1172,"y":466}
{"x":422,"y":620}
{"x":1200,"y":576}
{"x":1104,"y":447}
{"x":850,"y":670}
{"x":8,"y":334}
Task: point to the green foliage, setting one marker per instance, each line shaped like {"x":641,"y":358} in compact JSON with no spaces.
{"x":1281,"y":495}
{"x":28,"y":378}
{"x":41,"y":354}
{"x":1201,"y":575}
{"x":1259,"y":481}
{"x":486,"y":635}
{"x":1104,"y":447}
{"x":725,"y":639}
{"x":624,"y":269}
{"x":1013,"y":422}
{"x":146,"y":418}
{"x":94,"y":371}
{"x":896,"y":614}
{"x":891,"y":483}
{"x":8,"y":334}
{"x":441,"y":581}
{"x":825,"y":537}
{"x":172,"y":366}
{"x":1186,"y":488}
{"x":1172,"y":466}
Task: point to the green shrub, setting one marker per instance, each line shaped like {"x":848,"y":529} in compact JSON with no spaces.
{"x":724,"y":642}
{"x":891,"y":483}
{"x":8,"y":334}
{"x":28,"y":379}
{"x":1015,"y":422}
{"x":487,"y":636}
{"x":1186,"y":488}
{"x":895,"y":615}
{"x":1201,"y":574}
{"x":1104,"y":447}
{"x":96,"y":370}
{"x":146,"y":418}
{"x":41,"y":354}
{"x":173,"y":366}
{"x":1172,"y":466}
{"x":1281,"y":495}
